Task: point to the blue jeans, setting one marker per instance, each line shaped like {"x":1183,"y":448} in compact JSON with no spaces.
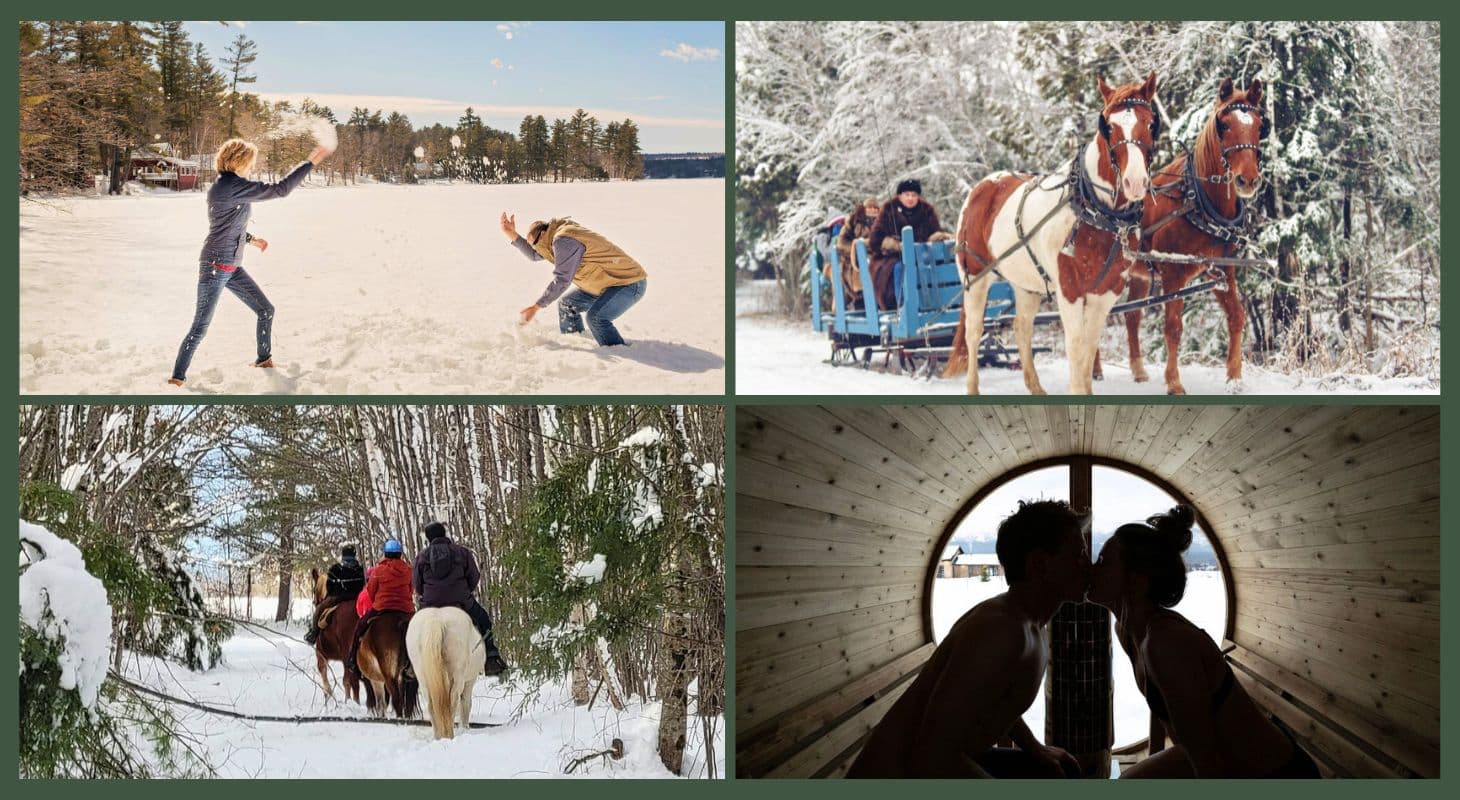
{"x":211,"y":282}
{"x":602,"y":310}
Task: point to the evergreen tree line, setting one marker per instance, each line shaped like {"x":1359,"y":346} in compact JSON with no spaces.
{"x":828,"y":114}
{"x":254,"y":497}
{"x":92,"y":92}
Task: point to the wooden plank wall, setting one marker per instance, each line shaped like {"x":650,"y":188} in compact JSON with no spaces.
{"x":1328,"y":515}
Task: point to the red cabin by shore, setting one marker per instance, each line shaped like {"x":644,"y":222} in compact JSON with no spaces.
{"x":160,"y":169}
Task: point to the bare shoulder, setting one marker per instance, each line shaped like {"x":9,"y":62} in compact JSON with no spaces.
{"x":990,"y":624}
{"x":1172,"y":635}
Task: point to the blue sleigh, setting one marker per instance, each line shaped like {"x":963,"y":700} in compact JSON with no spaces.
{"x":916,"y":336}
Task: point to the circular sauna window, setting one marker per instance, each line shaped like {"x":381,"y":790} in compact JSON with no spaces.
{"x":967,"y":570}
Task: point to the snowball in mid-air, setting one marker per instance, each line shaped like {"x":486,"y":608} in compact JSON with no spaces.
{"x":324,"y":133}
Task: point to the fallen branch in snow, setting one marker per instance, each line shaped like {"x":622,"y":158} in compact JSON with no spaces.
{"x":223,"y":712}
{"x":615,"y":753}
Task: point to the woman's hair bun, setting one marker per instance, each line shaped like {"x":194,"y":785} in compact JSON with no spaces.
{"x":1174,"y":527}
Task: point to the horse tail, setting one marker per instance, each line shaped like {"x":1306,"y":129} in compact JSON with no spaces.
{"x":957,"y":363}
{"x":435,"y":674}
{"x":958,"y":356}
{"x":410,"y":704}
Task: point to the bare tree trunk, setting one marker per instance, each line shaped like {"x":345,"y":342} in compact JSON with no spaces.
{"x":675,"y":672}
{"x":286,"y":568}
{"x":580,"y":664}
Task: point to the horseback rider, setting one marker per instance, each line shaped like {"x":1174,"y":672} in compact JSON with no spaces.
{"x":344,"y":582}
{"x":446,"y":575}
{"x":389,"y":589}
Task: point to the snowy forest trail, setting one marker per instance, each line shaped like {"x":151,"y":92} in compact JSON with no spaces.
{"x":271,"y":672}
{"x":779,"y":356}
{"x":379,"y":289}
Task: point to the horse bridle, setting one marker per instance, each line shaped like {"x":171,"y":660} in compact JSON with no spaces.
{"x":1256,"y":148}
{"x":1112,"y":145}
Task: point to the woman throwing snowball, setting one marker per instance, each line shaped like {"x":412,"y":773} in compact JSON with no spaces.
{"x":608,"y":282}
{"x":230,"y":202}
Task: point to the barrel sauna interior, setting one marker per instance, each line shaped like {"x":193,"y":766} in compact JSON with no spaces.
{"x":1326,"y":518}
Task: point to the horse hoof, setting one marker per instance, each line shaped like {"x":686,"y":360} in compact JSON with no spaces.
{"x":1176,"y":390}
{"x":1235,"y":386}
{"x":1098,"y":376}
{"x":1140,"y":377}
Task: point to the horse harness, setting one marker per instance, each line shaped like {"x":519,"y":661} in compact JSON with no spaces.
{"x":1084,"y":200}
{"x":1199,"y":210}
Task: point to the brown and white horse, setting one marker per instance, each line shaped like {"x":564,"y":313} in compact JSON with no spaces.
{"x":1227,"y":173}
{"x":386,"y":667}
{"x":336,"y":630}
{"x":1045,"y":246}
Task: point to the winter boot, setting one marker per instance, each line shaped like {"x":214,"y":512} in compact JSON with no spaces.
{"x":174,"y":382}
{"x":495,"y":665}
{"x":312,"y":635}
{"x":267,"y":363}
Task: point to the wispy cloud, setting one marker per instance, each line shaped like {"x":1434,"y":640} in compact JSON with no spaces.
{"x":497,"y":63}
{"x":240,"y":23}
{"x":441,"y":108}
{"x":687,"y":53}
{"x":509,"y":29}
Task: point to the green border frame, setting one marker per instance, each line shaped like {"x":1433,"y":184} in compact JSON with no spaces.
{"x":730,"y":12}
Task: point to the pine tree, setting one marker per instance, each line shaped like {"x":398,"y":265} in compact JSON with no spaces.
{"x":242,"y":52}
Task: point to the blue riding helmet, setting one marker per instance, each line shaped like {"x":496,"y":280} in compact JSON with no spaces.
{"x":392,"y":546}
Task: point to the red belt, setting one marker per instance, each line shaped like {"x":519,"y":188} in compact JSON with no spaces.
{"x":224,"y":267}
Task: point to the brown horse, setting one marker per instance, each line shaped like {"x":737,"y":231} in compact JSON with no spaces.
{"x":386,"y":667}
{"x":336,"y":629}
{"x":1175,"y":220}
{"x":1056,"y":236}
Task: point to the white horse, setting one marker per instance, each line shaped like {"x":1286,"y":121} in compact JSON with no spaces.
{"x":442,"y":644}
{"x":1021,"y":218}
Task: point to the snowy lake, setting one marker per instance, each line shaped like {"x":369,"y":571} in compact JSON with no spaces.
{"x":379,"y":289}
{"x":775,"y":355}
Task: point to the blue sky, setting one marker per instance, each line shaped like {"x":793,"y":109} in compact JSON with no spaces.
{"x":668,"y":76}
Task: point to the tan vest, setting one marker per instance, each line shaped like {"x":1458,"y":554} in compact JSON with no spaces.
{"x":603,"y":265}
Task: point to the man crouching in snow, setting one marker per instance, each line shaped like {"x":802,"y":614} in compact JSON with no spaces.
{"x":607,"y":280}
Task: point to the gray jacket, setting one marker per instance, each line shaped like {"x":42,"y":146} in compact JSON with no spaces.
{"x":567,"y":255}
{"x":230,"y":201}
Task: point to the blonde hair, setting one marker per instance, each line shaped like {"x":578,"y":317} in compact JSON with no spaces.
{"x":235,"y":155}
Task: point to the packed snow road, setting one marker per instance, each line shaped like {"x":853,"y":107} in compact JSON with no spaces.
{"x":378,"y":289}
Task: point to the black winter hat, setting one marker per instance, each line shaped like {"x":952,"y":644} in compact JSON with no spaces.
{"x":347,"y":551}
{"x":910,"y":185}
{"x":434,"y":530}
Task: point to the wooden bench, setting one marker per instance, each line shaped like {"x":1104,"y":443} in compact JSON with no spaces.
{"x":1347,"y":739}
{"x":821,"y":737}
